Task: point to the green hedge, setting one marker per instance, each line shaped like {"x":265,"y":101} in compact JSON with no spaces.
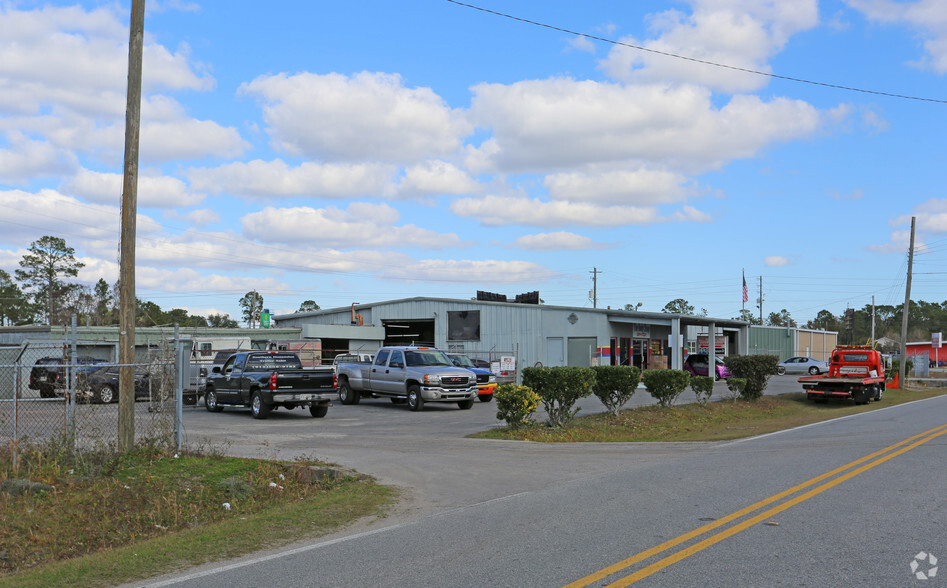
{"x":516,"y":404}
{"x":665,"y":385}
{"x":615,"y":385}
{"x":755,"y":369}
{"x":703,"y":387}
{"x":560,"y":388}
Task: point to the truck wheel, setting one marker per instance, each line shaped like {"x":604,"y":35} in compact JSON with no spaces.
{"x":486,"y":398}
{"x":258,"y":408}
{"x":104,"y":394}
{"x":210,"y":401}
{"x":465,"y":404}
{"x":46,"y":392}
{"x":415,"y":401}
{"x":346,"y":394}
{"x":318,"y":410}
{"x":878,"y":393}
{"x":861,"y":396}
{"x":190,"y":399}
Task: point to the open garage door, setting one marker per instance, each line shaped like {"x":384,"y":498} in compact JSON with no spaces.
{"x":409,"y":332}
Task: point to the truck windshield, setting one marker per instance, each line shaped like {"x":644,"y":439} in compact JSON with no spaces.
{"x":431,"y":357}
{"x":856,"y":357}
{"x":462,"y":361}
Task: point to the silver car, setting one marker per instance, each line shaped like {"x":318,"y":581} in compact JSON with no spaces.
{"x":802,"y":365}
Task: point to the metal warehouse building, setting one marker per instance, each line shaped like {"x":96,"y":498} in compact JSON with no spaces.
{"x":532,"y":333}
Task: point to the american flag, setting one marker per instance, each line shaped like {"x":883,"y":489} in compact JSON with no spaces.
{"x":745,"y":292}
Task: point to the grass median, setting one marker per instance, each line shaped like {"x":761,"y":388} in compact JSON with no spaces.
{"x":716,"y":421}
{"x":102,"y":519}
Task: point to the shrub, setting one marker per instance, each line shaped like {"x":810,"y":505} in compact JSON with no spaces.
{"x":615,"y":385}
{"x":516,"y":404}
{"x":755,"y":369}
{"x":736,"y":386}
{"x":665,"y":385}
{"x":560,"y":388}
{"x":703,"y":387}
{"x":896,"y":368}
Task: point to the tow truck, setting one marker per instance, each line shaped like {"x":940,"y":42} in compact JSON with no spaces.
{"x":855,"y":371}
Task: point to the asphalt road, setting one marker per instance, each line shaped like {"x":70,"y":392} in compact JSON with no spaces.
{"x":496,"y":513}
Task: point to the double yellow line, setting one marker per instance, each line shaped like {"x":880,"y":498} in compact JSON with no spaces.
{"x":879,"y":458}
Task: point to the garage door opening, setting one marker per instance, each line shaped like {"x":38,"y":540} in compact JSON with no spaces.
{"x":409,"y":332}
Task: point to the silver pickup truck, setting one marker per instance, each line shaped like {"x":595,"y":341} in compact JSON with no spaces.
{"x":412,"y":375}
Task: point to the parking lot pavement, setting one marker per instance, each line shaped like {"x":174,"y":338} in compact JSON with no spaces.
{"x":427,"y":453}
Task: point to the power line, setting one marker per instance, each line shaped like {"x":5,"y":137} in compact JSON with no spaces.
{"x":701,"y":61}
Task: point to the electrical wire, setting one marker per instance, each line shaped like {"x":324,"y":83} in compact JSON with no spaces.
{"x":701,"y":61}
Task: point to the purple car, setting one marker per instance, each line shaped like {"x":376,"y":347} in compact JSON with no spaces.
{"x":697,"y":366}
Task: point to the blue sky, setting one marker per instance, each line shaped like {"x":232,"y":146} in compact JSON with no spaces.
{"x":370,"y":150}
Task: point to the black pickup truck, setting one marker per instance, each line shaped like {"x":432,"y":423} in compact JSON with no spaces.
{"x":265,"y":380}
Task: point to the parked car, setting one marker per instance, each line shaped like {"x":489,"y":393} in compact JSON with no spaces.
{"x":697,"y":366}
{"x":101,"y":385}
{"x":486,"y":380}
{"x":48,"y":373}
{"x":802,"y":365}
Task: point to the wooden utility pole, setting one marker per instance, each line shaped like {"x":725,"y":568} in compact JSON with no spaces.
{"x":904,"y":313}
{"x":126,"y":277}
{"x":595,"y":274}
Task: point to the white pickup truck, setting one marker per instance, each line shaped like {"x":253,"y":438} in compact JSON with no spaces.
{"x":412,"y":375}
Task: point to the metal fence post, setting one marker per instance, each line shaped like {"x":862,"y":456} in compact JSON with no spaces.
{"x":179,"y":388}
{"x":16,"y":396}
{"x":70,"y":384}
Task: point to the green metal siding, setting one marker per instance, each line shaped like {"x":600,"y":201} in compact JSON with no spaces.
{"x":771,"y":341}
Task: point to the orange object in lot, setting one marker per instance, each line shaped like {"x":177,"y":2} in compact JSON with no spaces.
{"x":856,"y":372}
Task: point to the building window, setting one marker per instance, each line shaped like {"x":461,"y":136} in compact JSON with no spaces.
{"x":463,"y":325}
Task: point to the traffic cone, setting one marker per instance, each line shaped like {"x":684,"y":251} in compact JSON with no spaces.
{"x":895,"y":384}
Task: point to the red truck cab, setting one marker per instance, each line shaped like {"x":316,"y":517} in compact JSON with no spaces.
{"x":855,"y":371}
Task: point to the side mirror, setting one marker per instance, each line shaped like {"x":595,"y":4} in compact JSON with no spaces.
{"x":216,"y":369}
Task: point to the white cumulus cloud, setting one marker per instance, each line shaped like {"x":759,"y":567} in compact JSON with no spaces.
{"x":560,"y":240}
{"x":360,"y":117}
{"x":738,"y":33}
{"x":362,"y":225}
{"x":273,"y":179}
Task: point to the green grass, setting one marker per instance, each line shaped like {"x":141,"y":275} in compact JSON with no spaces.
{"x":716,"y":421}
{"x":113,"y":518}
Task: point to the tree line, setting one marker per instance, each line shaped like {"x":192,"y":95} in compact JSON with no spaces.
{"x":39,"y":293}
{"x":854,"y":326}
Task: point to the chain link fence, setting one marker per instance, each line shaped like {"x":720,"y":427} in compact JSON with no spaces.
{"x":56,"y":392}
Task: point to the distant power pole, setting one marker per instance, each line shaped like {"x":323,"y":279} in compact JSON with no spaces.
{"x":126,"y":276}
{"x":761,"y":300}
{"x":595,"y":274}
{"x":904,"y":312}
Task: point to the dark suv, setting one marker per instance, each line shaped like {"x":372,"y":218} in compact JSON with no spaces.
{"x":48,"y":373}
